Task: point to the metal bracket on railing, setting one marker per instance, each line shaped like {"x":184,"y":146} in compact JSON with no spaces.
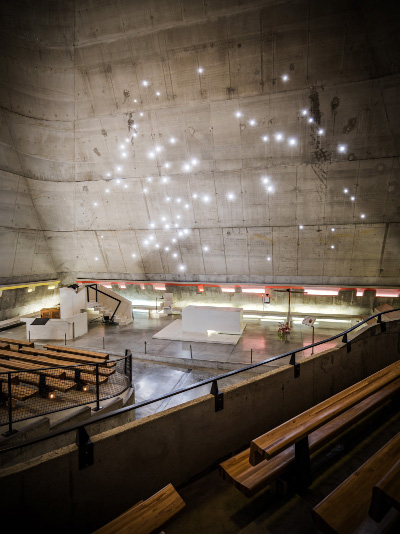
{"x":85,"y":448}
{"x":348,"y":342}
{"x":295,"y":365}
{"x":78,"y":380}
{"x":382,"y":323}
{"x":219,"y":396}
{"x":43,"y":389}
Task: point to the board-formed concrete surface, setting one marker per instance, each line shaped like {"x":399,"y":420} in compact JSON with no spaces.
{"x":181,"y":140}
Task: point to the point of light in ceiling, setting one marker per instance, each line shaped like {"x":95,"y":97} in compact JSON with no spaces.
{"x":301,"y":227}
{"x":206,"y":199}
{"x":362,"y":215}
{"x":292,"y":141}
{"x":186,"y":167}
{"x":145,"y":83}
{"x":166,"y":227}
{"x":108,"y":174}
{"x":205,"y":248}
{"x":270,"y":189}
{"x":332,"y":246}
{"x":285,"y":78}
{"x":179,"y":200}
{"x":124,"y":154}
{"x":352,"y":199}
{"x":265,"y":179}
{"x":151,"y":155}
{"x":167,"y":199}
{"x":279,"y":137}
{"x":342,"y":149}
{"x":135,"y":100}
{"x":172,"y":140}
{"x":231,"y":196}
{"x":151,"y":238}
{"x":95,"y":204}
{"x":145,"y":190}
{"x":194,"y":195}
{"x":186,"y":231}
{"x":174,"y":240}
{"x":107,"y":190}
{"x":119,"y":169}
{"x":268,"y":258}
{"x":178,"y":216}
{"x":321,"y":131}
{"x":96,"y":259}
{"x":122,"y":147}
{"x":200,"y":70}
{"x":164,"y":179}
{"x":133,"y":255}
{"x":102,"y":236}
{"x":332,"y":229}
{"x":152,"y":225}
{"x":181,"y":267}
{"x":167,"y":165}
{"x":304,"y":112}
{"x":158,"y":93}
{"x":163,"y":219}
{"x":194,"y":162}
{"x":238,"y":114}
{"x":187,"y":206}
{"x":174,"y":255}
{"x":310,"y":120}
{"x":157,"y":245}
{"x":141,"y":114}
{"x":166,"y":249}
{"x":345,"y":191}
{"x":265,"y":138}
{"x":158,"y":149}
{"x":253,"y":122}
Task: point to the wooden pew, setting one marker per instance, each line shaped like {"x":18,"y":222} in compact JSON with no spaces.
{"x":386,"y":494}
{"x":73,"y":350}
{"x":31,"y":375}
{"x":347,"y":506}
{"x":251,"y":479}
{"x":296,"y":430}
{"x":20,"y":365}
{"x":74,"y":358}
{"x":18,"y":342}
{"x":145,"y":517}
{"x":50,"y":359}
{"x":18,"y":392}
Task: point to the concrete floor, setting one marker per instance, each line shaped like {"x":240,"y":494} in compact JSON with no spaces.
{"x":156,"y":378}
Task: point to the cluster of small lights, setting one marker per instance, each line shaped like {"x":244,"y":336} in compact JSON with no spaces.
{"x":188,"y":166}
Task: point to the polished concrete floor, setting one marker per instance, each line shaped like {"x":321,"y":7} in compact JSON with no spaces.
{"x":156,"y":378}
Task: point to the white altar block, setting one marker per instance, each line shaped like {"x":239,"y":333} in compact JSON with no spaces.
{"x":221,"y":320}
{"x":71,"y":328}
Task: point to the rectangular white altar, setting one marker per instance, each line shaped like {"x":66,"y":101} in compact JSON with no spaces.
{"x":205,"y":318}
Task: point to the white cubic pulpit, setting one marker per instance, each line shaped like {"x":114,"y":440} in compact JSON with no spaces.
{"x":211,"y":318}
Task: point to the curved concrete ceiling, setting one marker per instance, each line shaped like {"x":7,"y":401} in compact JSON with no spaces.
{"x":248,"y":141}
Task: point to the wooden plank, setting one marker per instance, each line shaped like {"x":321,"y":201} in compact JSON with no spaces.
{"x":251,"y":479}
{"x":346,"y":507}
{"x":386,"y":494}
{"x":14,"y":363}
{"x":145,"y":517}
{"x":19,"y":342}
{"x":51,"y":383}
{"x":67,"y":357}
{"x":278,"y":439}
{"x":74,"y":350}
{"x":29,"y":355}
{"x":19,"y":392}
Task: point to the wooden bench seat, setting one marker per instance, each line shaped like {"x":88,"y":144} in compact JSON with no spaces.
{"x":145,"y":517}
{"x":347,"y":506}
{"x":73,"y":350}
{"x":74,"y":358}
{"x":18,"y":392}
{"x":52,"y":360}
{"x":51,"y":383}
{"x":298,"y":428}
{"x":18,"y":342}
{"x":13,"y":362}
{"x":386,"y":494}
{"x":251,"y":479}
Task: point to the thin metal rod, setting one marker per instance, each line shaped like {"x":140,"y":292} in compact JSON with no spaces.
{"x":65,"y":338}
{"x":145,"y":347}
{"x":10,"y":430}
{"x":97,"y":388}
{"x":251,"y":355}
{"x":312,"y":350}
{"x":191,"y":354}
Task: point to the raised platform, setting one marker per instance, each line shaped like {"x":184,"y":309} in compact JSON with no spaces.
{"x":173,"y":332}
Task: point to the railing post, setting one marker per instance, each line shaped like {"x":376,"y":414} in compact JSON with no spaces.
{"x":96,"y":293}
{"x":347,"y":341}
{"x":145,"y":347}
{"x":382,"y":323}
{"x":295,"y":365}
{"x":98,"y":407}
{"x":251,"y":355}
{"x":191,"y":353}
{"x":65,"y":339}
{"x":104,"y":343}
{"x":10,"y":430}
{"x":219,"y":396}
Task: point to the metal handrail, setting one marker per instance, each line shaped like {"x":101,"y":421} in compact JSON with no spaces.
{"x":94,"y":286}
{"x":213,"y":381}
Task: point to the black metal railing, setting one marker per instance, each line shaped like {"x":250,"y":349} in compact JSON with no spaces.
{"x":25,"y":394}
{"x":218,"y":395}
{"x":95,"y":288}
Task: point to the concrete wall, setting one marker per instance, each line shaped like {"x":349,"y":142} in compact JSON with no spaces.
{"x":346,"y":303}
{"x":16,"y":302}
{"x":72,"y":95}
{"x":134,"y":461}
